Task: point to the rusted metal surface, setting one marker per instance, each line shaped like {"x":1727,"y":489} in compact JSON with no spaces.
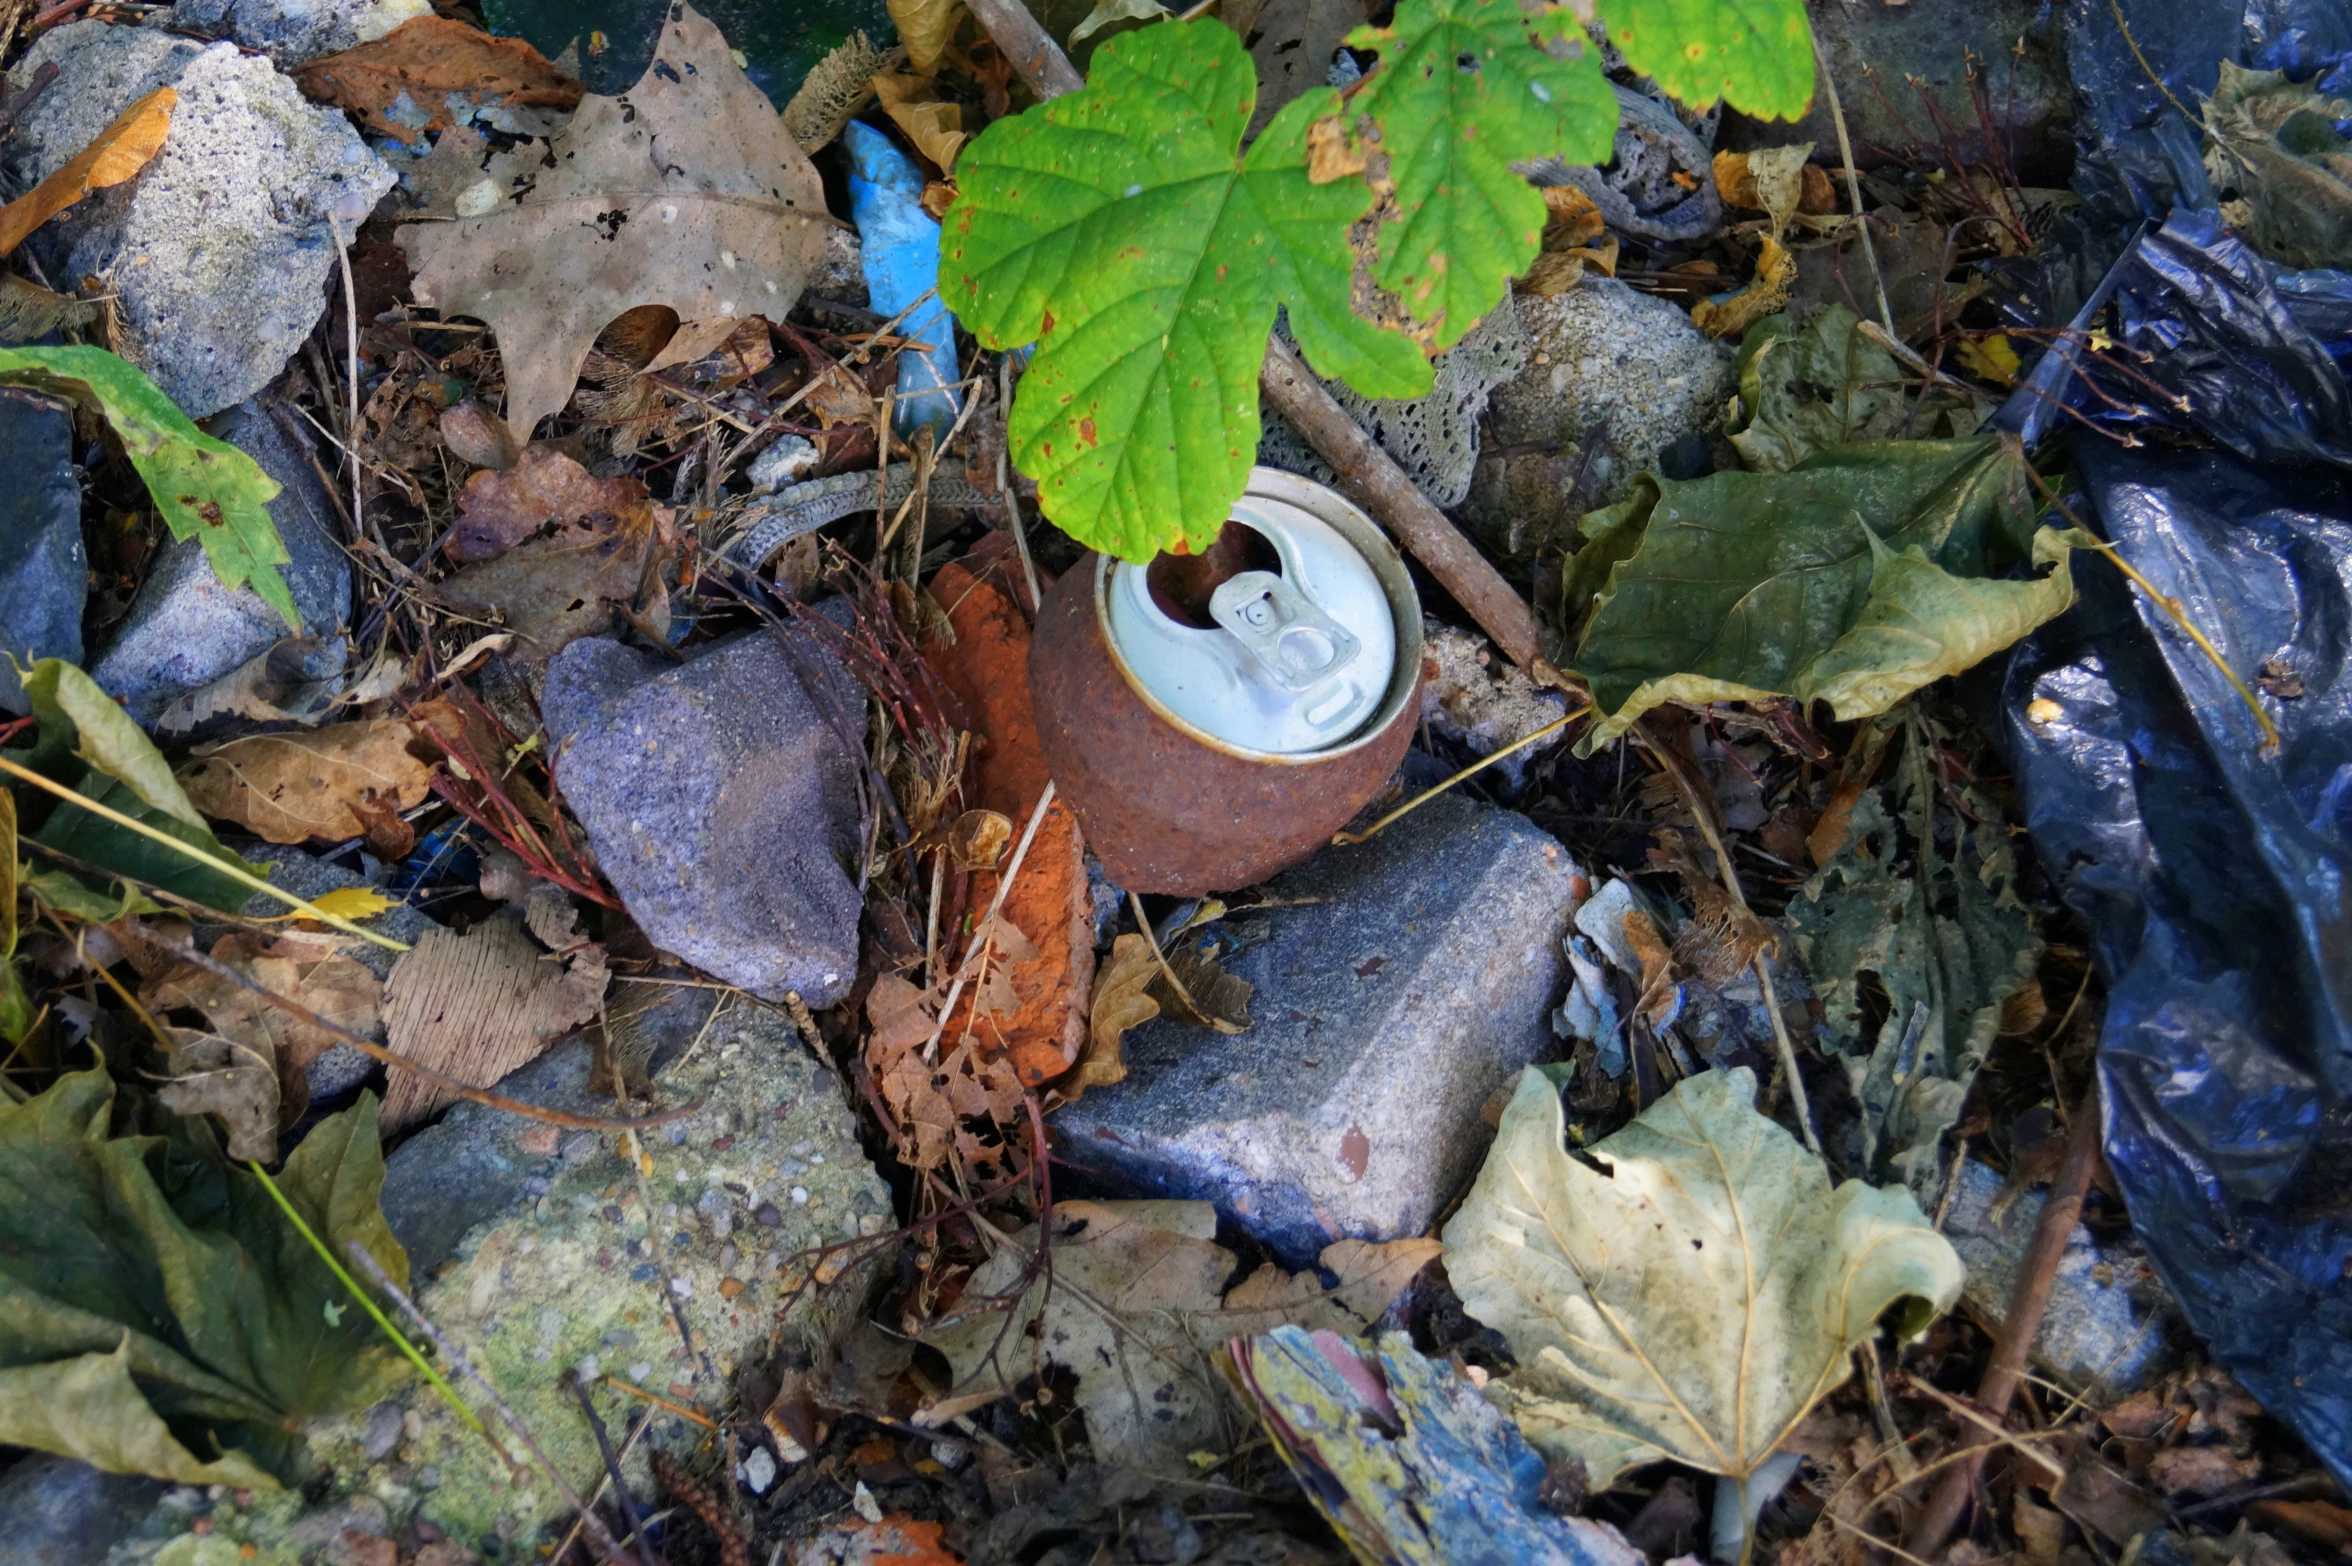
{"x":1170,"y":808}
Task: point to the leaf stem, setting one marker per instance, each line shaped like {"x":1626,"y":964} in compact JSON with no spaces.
{"x":1349,"y":839}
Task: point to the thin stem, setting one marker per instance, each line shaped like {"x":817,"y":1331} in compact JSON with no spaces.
{"x":988,"y":926}
{"x":1837,"y":117}
{"x":1153,"y":941}
{"x":1347,"y":839}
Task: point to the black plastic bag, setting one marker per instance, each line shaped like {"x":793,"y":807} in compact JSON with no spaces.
{"x":2218,"y":884}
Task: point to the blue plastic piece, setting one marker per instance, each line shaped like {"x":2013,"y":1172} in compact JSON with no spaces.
{"x":900,"y":251}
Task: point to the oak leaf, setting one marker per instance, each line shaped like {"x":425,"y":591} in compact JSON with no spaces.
{"x":412,"y":79}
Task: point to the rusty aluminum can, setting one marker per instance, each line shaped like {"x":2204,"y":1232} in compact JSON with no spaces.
{"x":1166,"y":804}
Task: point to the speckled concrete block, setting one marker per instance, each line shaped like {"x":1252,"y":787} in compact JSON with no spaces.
{"x":1405,"y":980}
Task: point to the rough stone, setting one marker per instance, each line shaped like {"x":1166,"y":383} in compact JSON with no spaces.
{"x":2019,"y":47}
{"x":219,"y":251}
{"x":840,"y":274}
{"x":186,"y":629}
{"x":533,"y":1285}
{"x":63,"y":1513}
{"x":2109,"y":1321}
{"x":721,"y":802}
{"x":1485,"y":703}
{"x":291,"y":31}
{"x":1599,"y":353}
{"x":43,"y":577}
{"x":1403,"y":982}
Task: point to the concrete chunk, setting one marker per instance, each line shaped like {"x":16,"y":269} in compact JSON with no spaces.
{"x":1404,"y":981}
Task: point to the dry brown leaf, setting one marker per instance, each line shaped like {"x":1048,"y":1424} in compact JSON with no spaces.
{"x":498,"y":510}
{"x":1120,"y":1002}
{"x":475,"y":1007}
{"x":1217,"y":999}
{"x":1370,"y":1276}
{"x":935,"y":127}
{"x":745,"y":344}
{"x":927,"y":28}
{"x":1557,"y":271}
{"x":685,"y":191}
{"x":289,"y":788}
{"x":119,"y":152}
{"x":835,"y":88}
{"x":269,"y":687}
{"x":840,"y":398}
{"x":1766,"y":294}
{"x":1572,"y":219}
{"x":420,"y":65}
{"x":1770,"y":180}
{"x":554,"y":590}
{"x":476,"y":436}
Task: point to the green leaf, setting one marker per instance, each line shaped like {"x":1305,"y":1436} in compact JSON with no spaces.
{"x":1802,"y":392}
{"x":1922,"y":900}
{"x":158,"y":1314}
{"x":1856,"y":577}
{"x":1756,"y":55}
{"x":204,"y":489}
{"x":89,"y":744}
{"x":1122,"y":230}
{"x":1466,"y":224}
{"x":1694,"y":1295}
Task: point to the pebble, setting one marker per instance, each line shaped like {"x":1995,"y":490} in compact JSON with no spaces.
{"x":757,"y":1471}
{"x":800,"y":1196}
{"x":767,"y":1217}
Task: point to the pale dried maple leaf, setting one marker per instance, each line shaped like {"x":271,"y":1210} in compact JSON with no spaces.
{"x":685,"y":191}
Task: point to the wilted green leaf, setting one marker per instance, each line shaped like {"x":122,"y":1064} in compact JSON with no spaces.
{"x":204,"y":489}
{"x":1921,"y":899}
{"x":2276,"y":143}
{"x":1692,"y":1297}
{"x":1855,"y":578}
{"x":89,"y":744}
{"x":1122,"y":230}
{"x":1106,"y":12}
{"x":1465,"y":223}
{"x":1802,"y":392}
{"x":158,"y":1314}
{"x":1756,"y":55}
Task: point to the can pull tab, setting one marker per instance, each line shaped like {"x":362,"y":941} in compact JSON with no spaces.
{"x":1283,"y":628}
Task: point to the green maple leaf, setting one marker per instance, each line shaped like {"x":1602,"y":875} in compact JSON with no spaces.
{"x":1468,"y":88}
{"x":1124,"y":232}
{"x":204,"y":488}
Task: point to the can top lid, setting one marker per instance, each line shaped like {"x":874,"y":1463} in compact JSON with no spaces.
{"x":1278,"y":638}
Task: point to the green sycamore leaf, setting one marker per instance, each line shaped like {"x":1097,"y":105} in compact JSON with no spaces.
{"x":89,"y":744}
{"x":1800,"y":392}
{"x":1466,"y":224}
{"x":1855,"y":578}
{"x":204,"y":489}
{"x":1468,"y":88}
{"x":158,"y":1314}
{"x":1122,"y":230}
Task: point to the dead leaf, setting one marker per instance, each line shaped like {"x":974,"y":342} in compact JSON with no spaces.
{"x":498,"y":510}
{"x":834,"y":90}
{"x":119,"y":152}
{"x":1770,"y":180}
{"x":744,"y":346}
{"x":978,"y":839}
{"x":1370,"y":1277}
{"x":289,"y":788}
{"x":840,"y":398}
{"x":1766,"y":294}
{"x":1211,"y":997}
{"x":554,"y":590}
{"x":927,"y":28}
{"x":475,"y":1007}
{"x":935,"y":127}
{"x":269,"y":687}
{"x":1120,"y":1002}
{"x":234,"y":1082}
{"x":477,"y":436}
{"x":1557,"y":271}
{"x":685,"y":191}
{"x":1572,"y":219}
{"x":431,"y":71}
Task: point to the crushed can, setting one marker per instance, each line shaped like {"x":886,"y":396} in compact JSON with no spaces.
{"x":1212,"y":719}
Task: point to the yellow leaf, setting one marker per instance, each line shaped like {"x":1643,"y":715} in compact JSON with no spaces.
{"x":927,"y":28}
{"x":353,"y":902}
{"x":936,"y":129}
{"x":1994,"y":358}
{"x":120,"y":151}
{"x":1732,"y":314}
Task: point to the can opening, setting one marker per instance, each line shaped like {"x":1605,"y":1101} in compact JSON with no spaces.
{"x":1182,"y":585}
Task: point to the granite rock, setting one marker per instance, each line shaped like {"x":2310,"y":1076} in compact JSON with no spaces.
{"x":43,"y":576}
{"x":721,"y":802}
{"x":1403,"y":981}
{"x":2109,"y":1321}
{"x":62,"y":1513}
{"x":186,"y":629}
{"x":219,"y":251}
{"x":1599,"y":354}
{"x":291,"y":31}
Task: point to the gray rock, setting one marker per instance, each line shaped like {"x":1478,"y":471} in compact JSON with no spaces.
{"x":43,"y":577}
{"x":1484,"y":703}
{"x":2109,"y":1322}
{"x":1409,"y":978}
{"x":382,"y":1432}
{"x":63,"y":1513}
{"x":291,"y":31}
{"x":219,"y":252}
{"x":1599,"y":352}
{"x":840,"y":273}
{"x":186,"y":629}
{"x":720,"y":802}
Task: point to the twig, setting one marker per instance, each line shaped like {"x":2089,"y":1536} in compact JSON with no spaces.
{"x":987,"y":927}
{"x":655,"y":1398}
{"x":1028,"y":47}
{"x":1348,"y":839}
{"x":235,"y":872}
{"x":598,"y":1535}
{"x":639,"y":1162}
{"x":1152,"y":940}
{"x":1991,"y":1428}
{"x":351,"y":423}
{"x":612,"y":1467}
{"x":1837,"y":117}
{"x":1004,"y":480}
{"x":2030,"y":1297}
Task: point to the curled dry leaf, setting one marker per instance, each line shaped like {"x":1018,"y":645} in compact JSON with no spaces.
{"x":476,"y":1006}
{"x":927,"y":28}
{"x":684,"y":191}
{"x":1122,"y":1000}
{"x":273,"y":686}
{"x":1693,"y":1295}
{"x":935,"y":126}
{"x":119,"y":152}
{"x":329,"y":783}
{"x":431,"y":69}
{"x":551,"y":591}
{"x":544,"y":488}
{"x":476,"y":436}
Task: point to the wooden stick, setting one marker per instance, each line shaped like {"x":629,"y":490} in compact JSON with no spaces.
{"x":2028,"y":1299}
{"x":1367,"y":475}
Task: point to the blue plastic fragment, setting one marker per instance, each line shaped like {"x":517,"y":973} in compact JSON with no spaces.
{"x":899,"y":244}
